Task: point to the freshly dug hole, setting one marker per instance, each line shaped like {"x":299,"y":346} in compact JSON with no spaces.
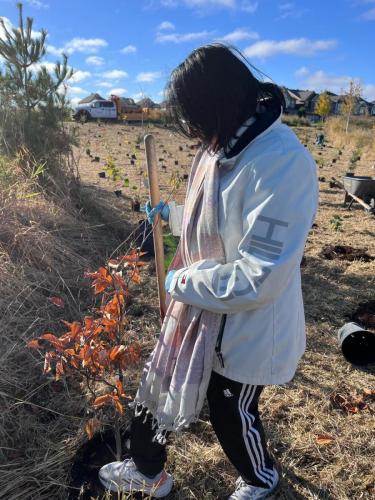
{"x":345,"y":252}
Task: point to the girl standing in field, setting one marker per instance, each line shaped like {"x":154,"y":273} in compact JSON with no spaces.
{"x":235,"y":318}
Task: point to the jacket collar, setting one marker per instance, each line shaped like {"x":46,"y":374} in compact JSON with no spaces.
{"x":251,"y":130}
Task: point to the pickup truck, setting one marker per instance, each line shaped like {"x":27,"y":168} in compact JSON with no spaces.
{"x":105,"y":110}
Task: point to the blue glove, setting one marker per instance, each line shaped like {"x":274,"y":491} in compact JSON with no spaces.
{"x":162,"y":208}
{"x":168,"y":280}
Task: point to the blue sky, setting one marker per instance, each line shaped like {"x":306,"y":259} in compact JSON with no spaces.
{"x":129,"y":47}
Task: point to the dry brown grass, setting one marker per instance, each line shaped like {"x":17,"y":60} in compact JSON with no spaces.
{"x":38,"y":444}
{"x":361,"y":133}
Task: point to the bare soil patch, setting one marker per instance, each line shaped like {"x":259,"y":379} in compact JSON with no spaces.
{"x":346,"y":252}
{"x":364,"y":314}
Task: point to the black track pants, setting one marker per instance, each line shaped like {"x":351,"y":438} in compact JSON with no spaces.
{"x":235,"y":420}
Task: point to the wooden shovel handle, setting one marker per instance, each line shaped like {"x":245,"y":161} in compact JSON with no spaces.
{"x":157,"y":227}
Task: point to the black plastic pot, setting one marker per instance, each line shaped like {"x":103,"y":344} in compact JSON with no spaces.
{"x":118,"y":192}
{"x":357,"y":344}
{"x":101,"y":175}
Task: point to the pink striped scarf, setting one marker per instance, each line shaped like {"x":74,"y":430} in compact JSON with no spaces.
{"x":176,"y":376}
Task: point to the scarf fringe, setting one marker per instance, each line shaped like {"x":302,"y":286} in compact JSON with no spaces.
{"x":162,"y":429}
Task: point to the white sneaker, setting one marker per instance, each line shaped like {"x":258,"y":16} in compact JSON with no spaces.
{"x":124,"y":477}
{"x":245,"y":491}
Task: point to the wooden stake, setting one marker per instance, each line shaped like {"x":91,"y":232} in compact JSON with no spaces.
{"x":157,"y":227}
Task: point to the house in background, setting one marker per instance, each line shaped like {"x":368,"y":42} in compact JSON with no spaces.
{"x":90,"y":98}
{"x":304,"y":102}
{"x":299,"y":101}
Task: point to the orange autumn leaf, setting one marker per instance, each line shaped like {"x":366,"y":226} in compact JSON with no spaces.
{"x":116,"y":351}
{"x":116,"y":401}
{"x":133,"y":256}
{"x":74,"y":329}
{"x":91,"y":426}
{"x":34,"y":344}
{"x":110,"y":325}
{"x":136,"y":278}
{"x":59,"y":370}
{"x":324,"y":439}
{"x":113,"y":308}
{"x":102,"y":400}
{"x":120,"y":389}
{"x":52,"y":339}
{"x":89,"y":321}
{"x":57,"y":301}
{"x":47,"y":361}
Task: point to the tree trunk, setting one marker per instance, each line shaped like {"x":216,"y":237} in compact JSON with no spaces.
{"x":118,"y":438}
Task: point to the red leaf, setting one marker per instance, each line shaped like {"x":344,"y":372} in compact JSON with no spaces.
{"x":60,"y":370}
{"x":118,"y":405}
{"x":91,"y":426}
{"x":324,"y":439}
{"x":102,"y":400}
{"x":116,"y":351}
{"x":133,"y":256}
{"x":57,"y":301}
{"x":120,"y":389}
{"x":34,"y":344}
{"x":52,"y":339}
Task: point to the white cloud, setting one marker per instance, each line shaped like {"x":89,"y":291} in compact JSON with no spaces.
{"x":239,"y":34}
{"x":129,"y":49}
{"x":249,"y":7}
{"x":8,"y":26}
{"x":74,"y":101}
{"x":79,"y":76}
{"x":166,"y":25}
{"x":37,"y":4}
{"x":289,"y":9}
{"x":50,"y":66}
{"x":55,"y":51}
{"x":84,"y":45}
{"x":303,"y":71}
{"x":107,"y":85}
{"x":115,"y":74}
{"x":120,"y":92}
{"x":320,"y":80}
{"x":369,"y":92}
{"x":296,"y":46}
{"x":369,"y":15}
{"x":94,"y":60}
{"x":149,"y":76}
{"x":139,"y":96}
{"x":75,"y":90}
{"x":182,"y":37}
{"x":202,"y":5}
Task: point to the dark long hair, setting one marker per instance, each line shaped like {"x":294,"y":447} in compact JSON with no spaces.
{"x":212,"y":92}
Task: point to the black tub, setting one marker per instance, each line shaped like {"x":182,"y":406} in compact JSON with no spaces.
{"x":361,"y":186}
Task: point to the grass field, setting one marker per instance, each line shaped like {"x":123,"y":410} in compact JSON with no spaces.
{"x":40,"y":445}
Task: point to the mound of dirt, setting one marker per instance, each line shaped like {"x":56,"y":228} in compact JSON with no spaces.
{"x":364,"y":314}
{"x":345,"y":252}
{"x":89,"y":459}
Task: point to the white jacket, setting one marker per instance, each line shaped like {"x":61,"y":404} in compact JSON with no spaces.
{"x":267,"y":204}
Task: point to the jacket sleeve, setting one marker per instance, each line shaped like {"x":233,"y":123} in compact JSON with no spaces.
{"x":278,"y":210}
